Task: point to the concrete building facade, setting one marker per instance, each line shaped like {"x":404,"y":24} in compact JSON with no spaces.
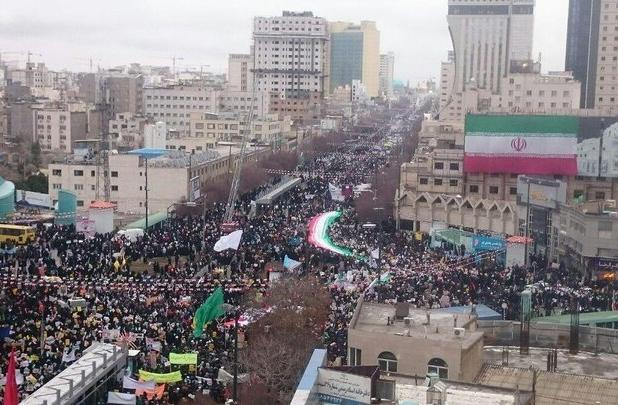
{"x":240,"y":72}
{"x":174,"y":104}
{"x":56,"y":129}
{"x":487,"y":35}
{"x":583,"y":235}
{"x":126,"y":131}
{"x":416,"y":343}
{"x":387,"y":73}
{"x":122,"y":93}
{"x":168,"y":178}
{"x":355,"y":55}
{"x":291,"y":59}
{"x":606,"y":90}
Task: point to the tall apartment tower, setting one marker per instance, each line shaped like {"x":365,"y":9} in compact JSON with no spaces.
{"x":291,"y":62}
{"x":606,"y":89}
{"x":582,"y":49}
{"x":487,"y":35}
{"x":387,"y":72}
{"x":355,"y":55}
{"x":240,"y":72}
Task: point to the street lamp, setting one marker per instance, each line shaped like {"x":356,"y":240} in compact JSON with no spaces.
{"x":228,"y":308}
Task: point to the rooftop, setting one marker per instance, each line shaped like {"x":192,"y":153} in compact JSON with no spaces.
{"x":372,"y":317}
{"x":552,"y":388}
{"x":459,"y":393}
{"x":583,"y":363}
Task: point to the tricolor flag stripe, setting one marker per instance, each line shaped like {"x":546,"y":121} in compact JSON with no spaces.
{"x":522,"y":124}
{"x":521,"y":165}
{"x":493,"y":143}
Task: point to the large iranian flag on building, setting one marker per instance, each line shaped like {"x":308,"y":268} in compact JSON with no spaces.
{"x":521,"y":144}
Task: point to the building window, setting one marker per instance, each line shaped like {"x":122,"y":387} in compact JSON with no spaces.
{"x":439,"y":367}
{"x":92,"y":173}
{"x":78,"y":187}
{"x":424,"y":180}
{"x":454,"y":166}
{"x":513,"y":191}
{"x":474,"y":189}
{"x":57,"y":172}
{"x":438,"y":165}
{"x":114,"y":174}
{"x":80,"y":203}
{"x":453,"y":183}
{"x":599,"y":195}
{"x":78,"y":172}
{"x":387,"y":362}
{"x":493,"y":190}
{"x":56,"y":186}
{"x":437,"y":182}
{"x":114,"y":188}
{"x":355,"y":357}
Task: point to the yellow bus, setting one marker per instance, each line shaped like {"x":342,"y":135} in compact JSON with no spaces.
{"x":17,"y":234}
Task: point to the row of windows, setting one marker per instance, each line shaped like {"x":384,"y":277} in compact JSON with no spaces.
{"x":440,"y":166}
{"x":439,"y":182}
{"x":387,"y":361}
{"x":79,"y":173}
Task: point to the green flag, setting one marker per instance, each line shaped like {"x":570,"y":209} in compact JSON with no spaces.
{"x":211,"y":309}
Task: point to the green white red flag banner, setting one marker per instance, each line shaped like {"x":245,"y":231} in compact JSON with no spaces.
{"x":521,"y":144}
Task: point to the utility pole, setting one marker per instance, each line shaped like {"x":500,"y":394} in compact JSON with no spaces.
{"x":527,"y":225}
{"x":235,"y":384}
{"x":146,"y":190}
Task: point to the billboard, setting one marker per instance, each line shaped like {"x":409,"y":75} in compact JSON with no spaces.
{"x":541,"y":145}
{"x":485,"y":243}
{"x":195,"y":191}
{"x":339,"y":387}
{"x":543,"y":193}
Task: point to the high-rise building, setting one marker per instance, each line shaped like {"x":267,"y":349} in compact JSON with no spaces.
{"x":240,"y":72}
{"x":291,"y":62}
{"x":123,"y":93}
{"x":355,"y":55}
{"x":487,"y":35}
{"x":606,"y":89}
{"x":387,"y":71}
{"x":583,"y":46}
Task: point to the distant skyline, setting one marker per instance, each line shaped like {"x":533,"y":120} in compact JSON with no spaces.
{"x":67,"y":32}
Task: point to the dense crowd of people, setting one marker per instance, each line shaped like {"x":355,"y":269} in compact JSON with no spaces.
{"x":65,"y":291}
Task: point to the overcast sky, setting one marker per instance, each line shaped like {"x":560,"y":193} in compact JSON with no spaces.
{"x":112,"y":32}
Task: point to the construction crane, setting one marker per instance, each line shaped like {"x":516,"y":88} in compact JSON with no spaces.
{"x":30,"y":54}
{"x":229,"y":224}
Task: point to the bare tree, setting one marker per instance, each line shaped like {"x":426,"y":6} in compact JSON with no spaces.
{"x":280,"y":343}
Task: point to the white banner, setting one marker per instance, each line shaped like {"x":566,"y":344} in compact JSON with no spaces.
{"x":132,"y":384}
{"x":521,"y":145}
{"x":120,"y":398}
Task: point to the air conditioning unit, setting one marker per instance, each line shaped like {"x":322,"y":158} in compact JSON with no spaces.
{"x":459,"y":332}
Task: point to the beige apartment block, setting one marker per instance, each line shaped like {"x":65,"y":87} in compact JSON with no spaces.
{"x":56,"y":129}
{"x":210,"y":130}
{"x":240,"y":72}
{"x":174,"y":104}
{"x":414,"y":342}
{"x":606,"y":92}
{"x":168,"y":177}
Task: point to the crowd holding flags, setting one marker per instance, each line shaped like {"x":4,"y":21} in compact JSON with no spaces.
{"x":210,"y":310}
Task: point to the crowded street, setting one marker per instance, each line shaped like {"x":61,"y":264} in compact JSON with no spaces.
{"x":143,"y":293}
